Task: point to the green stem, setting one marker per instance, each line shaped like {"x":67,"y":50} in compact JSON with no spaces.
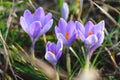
{"x":32,"y":49}
{"x":68,"y":63}
{"x":89,"y":54}
{"x":87,"y":65}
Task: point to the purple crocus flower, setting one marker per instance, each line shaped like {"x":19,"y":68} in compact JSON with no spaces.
{"x":36,"y":24}
{"x":92,"y":35}
{"x":65,"y":11}
{"x":66,"y":32}
{"x":53,"y":52}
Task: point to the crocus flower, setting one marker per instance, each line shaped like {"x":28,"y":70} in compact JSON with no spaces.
{"x":92,"y":35}
{"x":65,"y":11}
{"x":53,"y":52}
{"x":36,"y":24}
{"x":66,"y":32}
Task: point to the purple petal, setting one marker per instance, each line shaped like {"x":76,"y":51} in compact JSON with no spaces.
{"x":39,"y":15}
{"x":47,"y":18}
{"x":81,"y":36}
{"x":35,"y":29}
{"x":80,"y":27}
{"x":51,"y":57}
{"x":50,"y":46}
{"x":59,"y":45}
{"x":65,"y":11}
{"x":72,"y":39}
{"x":62,"y":25}
{"x":46,"y":27}
{"x":81,"y":31}
{"x":100,"y":41}
{"x":24,"y":24}
{"x":62,"y":38}
{"x":70,"y":28}
{"x":98,"y":27}
{"x":28,"y":17}
{"x":59,"y":48}
{"x":91,"y":40}
{"x":88,"y":26}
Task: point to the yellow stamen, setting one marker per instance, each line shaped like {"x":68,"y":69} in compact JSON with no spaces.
{"x":67,"y":35}
{"x":90,"y":33}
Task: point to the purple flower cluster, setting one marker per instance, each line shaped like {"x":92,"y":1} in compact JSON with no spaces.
{"x":38,"y":24}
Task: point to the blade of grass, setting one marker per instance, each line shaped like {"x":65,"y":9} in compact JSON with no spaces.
{"x":10,"y":19}
{"x":79,"y":59}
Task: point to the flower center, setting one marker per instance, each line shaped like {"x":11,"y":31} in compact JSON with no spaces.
{"x":67,"y":35}
{"x":90,"y":33}
{"x":53,"y":52}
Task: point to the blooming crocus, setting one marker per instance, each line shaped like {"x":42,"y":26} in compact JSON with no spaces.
{"x":65,"y":11}
{"x":66,"y":32}
{"x":36,"y":24}
{"x":92,"y":35}
{"x":53,"y":52}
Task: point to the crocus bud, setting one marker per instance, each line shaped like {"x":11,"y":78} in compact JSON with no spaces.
{"x":65,"y":11}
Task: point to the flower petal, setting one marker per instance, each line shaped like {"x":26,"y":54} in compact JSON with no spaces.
{"x":28,"y":17}
{"x":80,"y":31}
{"x":46,"y":27}
{"x":90,"y":41}
{"x":71,"y":28}
{"x":51,"y":58}
{"x":81,"y":36}
{"x":72,"y":39}
{"x":98,"y":27}
{"x":48,"y":46}
{"x":62,"y":25}
{"x":35,"y":29}
{"x":101,"y":38}
{"x":47,"y":18}
{"x":51,"y":47}
{"x":62,"y":38}
{"x":80,"y":27}
{"x":59,"y":48}
{"x":100,"y":41}
{"x":24,"y":24}
{"x":88,"y":26}
{"x":39,"y":15}
{"x":60,"y":35}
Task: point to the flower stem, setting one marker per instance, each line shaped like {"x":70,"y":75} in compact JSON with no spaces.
{"x":87,"y":65}
{"x":89,"y":54}
{"x":57,"y":74}
{"x":68,"y":62}
{"x":32,"y":49}
{"x":88,"y":57}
